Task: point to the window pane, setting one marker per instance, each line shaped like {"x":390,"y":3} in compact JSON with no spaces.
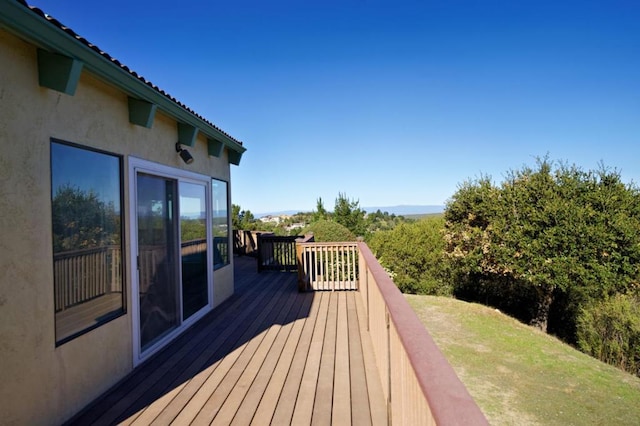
{"x":157,"y":258}
{"x":193,"y":231}
{"x":220,"y":225}
{"x":86,"y":193}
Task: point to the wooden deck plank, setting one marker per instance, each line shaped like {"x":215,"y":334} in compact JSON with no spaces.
{"x":270,"y":349}
{"x":321,"y":414}
{"x":250,"y":360}
{"x":270,"y":355}
{"x":148,"y":414}
{"x":341,"y":414}
{"x":115,"y":406}
{"x":280,"y":395}
{"x":190,"y":374}
{"x":195,"y":359}
{"x":377,"y":401}
{"x":361,"y":409}
{"x":76,"y":318}
{"x":198,"y":372}
{"x":251,"y":338}
{"x":299,"y":389}
{"x":287,"y":338}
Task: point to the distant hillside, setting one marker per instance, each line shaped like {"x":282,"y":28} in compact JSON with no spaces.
{"x":278,"y":213}
{"x":401,"y":210}
{"x":422,"y":216}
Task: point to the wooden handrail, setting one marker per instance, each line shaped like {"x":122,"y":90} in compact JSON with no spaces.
{"x":420,"y":385}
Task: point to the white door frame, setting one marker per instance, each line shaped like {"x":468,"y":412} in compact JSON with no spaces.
{"x":136,"y":166}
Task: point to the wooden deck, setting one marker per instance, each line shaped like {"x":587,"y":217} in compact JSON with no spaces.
{"x":269,"y":355}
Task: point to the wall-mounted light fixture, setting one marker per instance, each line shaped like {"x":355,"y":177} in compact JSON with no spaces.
{"x":184,"y":154}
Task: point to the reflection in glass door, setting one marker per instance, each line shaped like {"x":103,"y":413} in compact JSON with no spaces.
{"x":193,"y":233}
{"x":158,"y":281}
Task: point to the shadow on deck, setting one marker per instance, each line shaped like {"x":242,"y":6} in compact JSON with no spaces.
{"x":267,"y":355}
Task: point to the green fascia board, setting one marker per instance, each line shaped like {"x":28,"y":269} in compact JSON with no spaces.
{"x":141,"y":112}
{"x":26,"y":24}
{"x":187,"y":134}
{"x":58,"y":72}
{"x":214,"y":147}
{"x":234,"y":157}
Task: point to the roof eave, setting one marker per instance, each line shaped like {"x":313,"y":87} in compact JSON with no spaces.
{"x":19,"y":19}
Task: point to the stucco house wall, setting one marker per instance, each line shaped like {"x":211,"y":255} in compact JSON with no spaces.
{"x":42,"y":383}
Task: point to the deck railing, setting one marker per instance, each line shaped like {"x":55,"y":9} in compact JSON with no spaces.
{"x":246,"y":242}
{"x":420,"y":386}
{"x":327,"y":266}
{"x":82,"y":275}
{"x":276,"y":253}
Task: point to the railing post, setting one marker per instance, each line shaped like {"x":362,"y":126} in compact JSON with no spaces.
{"x":302,"y":279}
{"x":260,"y":252}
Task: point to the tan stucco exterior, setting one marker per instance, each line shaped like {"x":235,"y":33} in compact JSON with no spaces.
{"x":42,"y":383}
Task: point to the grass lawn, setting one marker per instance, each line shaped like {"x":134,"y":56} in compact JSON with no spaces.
{"x":521,"y":376}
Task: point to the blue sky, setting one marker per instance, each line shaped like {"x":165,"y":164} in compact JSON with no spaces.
{"x":391,"y":102}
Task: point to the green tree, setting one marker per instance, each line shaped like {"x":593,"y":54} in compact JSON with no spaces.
{"x":235,"y":216}
{"x":546,"y":237}
{"x":247,"y":220}
{"x":243,"y":219}
{"x":193,"y":229}
{"x":328,"y":231}
{"x":349,"y":214}
{"x":382,"y":221}
{"x":320,"y":213}
{"x":80,"y":219}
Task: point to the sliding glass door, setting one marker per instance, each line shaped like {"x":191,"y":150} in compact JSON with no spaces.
{"x":158,"y":282}
{"x":173,"y":261}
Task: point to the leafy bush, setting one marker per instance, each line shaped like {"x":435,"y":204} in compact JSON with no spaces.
{"x":610,"y":331}
{"x":547,"y":238}
{"x":413,"y":255}
{"x":330,"y":232}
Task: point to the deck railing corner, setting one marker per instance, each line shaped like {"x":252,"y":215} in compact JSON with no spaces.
{"x":419,"y":384}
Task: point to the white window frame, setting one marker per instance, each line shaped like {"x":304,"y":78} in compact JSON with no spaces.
{"x":228,"y":208}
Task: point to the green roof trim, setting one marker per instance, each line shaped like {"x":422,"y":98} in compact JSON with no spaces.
{"x":234,"y":157}
{"x":187,"y":134}
{"x":141,"y":112}
{"x":58,"y":72}
{"x":214,"y":147}
{"x":28,"y":24}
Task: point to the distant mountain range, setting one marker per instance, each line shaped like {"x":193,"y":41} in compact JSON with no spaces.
{"x":406,"y":210}
{"x":402,"y":210}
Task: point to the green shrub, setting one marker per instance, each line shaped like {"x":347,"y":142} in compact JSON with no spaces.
{"x":412,"y":253}
{"x":551,"y":231}
{"x":610,"y":331}
{"x":326,"y":231}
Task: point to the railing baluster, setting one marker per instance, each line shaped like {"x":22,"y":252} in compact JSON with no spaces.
{"x":82,"y":275}
{"x":330,"y":266}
